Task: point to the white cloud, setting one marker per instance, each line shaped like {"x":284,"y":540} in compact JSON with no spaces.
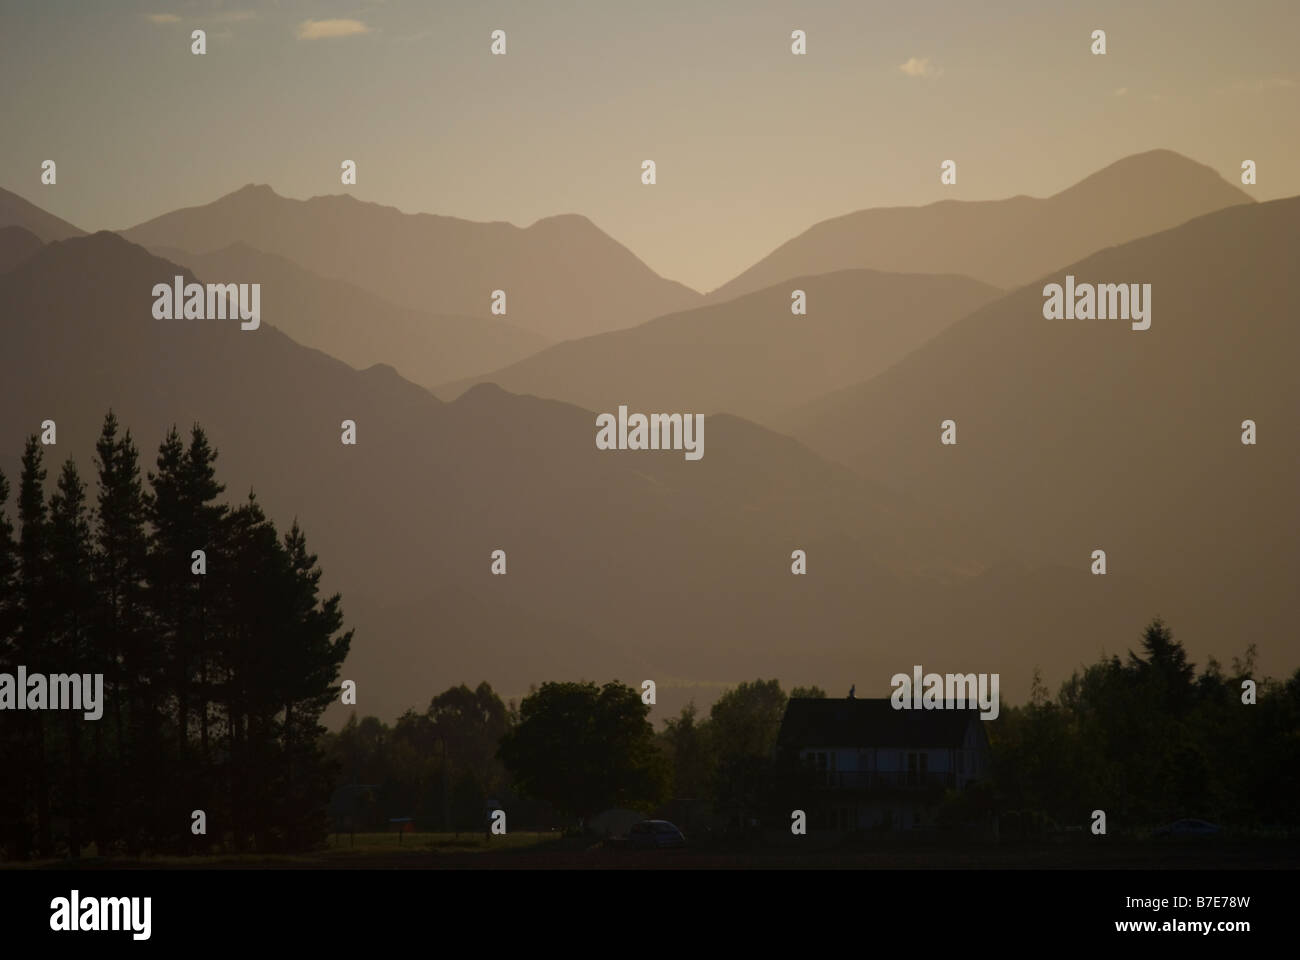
{"x":220,"y":16}
{"x":326,"y":29}
{"x":921,"y":67}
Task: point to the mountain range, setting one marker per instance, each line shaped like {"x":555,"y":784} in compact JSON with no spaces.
{"x":562,"y":276}
{"x":750,"y":356}
{"x":360,"y":328}
{"x":620,"y":563}
{"x":1008,"y":242}
{"x":1082,"y":434}
{"x":1072,"y":435}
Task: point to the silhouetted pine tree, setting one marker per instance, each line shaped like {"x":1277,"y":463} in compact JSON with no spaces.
{"x":15,"y":839}
{"x":127,"y":646}
{"x":71,"y":618}
{"x":184,"y":519}
{"x":34,"y":630}
{"x":169,"y":575}
{"x":206,"y":518}
{"x":309,"y":656}
{"x":215,"y":683}
{"x":248,"y":629}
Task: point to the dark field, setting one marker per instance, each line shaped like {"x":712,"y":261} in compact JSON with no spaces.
{"x":548,"y":851}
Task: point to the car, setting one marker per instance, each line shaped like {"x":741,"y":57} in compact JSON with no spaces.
{"x":655,"y":835}
{"x":1188,"y":828}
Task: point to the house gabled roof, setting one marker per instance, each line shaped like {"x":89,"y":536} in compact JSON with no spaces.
{"x":870,"y":723}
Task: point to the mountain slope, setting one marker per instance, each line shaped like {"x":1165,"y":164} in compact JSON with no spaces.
{"x":1003,"y":242}
{"x":359,"y":328}
{"x":635,"y":565}
{"x":750,"y":356}
{"x":16,"y":245}
{"x":1075,"y":435}
{"x":563,"y":277}
{"x":406,"y":520}
{"x":17,"y":212}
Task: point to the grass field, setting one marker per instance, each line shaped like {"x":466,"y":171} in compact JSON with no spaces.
{"x":554,"y":851}
{"x":363,"y":844}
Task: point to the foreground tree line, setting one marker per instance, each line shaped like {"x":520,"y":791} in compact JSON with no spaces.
{"x":1149,"y":740}
{"x":215,"y":670}
{"x":1145,"y":738}
{"x":566,"y":752}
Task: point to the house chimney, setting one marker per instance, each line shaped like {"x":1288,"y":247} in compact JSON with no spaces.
{"x":851,"y":689}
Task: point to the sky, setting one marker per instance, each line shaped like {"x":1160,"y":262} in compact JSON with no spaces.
{"x":752,"y":144}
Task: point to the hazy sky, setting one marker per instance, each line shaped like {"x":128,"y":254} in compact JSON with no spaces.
{"x":753,"y":144}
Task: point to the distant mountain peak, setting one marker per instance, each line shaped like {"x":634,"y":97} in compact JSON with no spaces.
{"x":1005,"y":242}
{"x":1160,"y":167}
{"x":433,"y":263}
{"x":481,"y":392}
{"x":14,"y":231}
{"x":562,"y":219}
{"x":248,"y":193}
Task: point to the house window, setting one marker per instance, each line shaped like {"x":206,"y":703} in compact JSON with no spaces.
{"x":961,"y":761}
{"x":925,"y":762}
{"x":911,"y":768}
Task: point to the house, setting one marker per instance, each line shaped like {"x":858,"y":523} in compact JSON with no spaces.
{"x":873,"y":766}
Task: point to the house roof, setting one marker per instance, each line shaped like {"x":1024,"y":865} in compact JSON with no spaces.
{"x":870,"y":723}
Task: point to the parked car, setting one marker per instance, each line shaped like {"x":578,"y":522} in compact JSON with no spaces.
{"x":1188,"y":828}
{"x":654,"y":834}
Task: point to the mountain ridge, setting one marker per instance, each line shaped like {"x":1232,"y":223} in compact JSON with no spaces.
{"x":356,"y":326}
{"x":19,"y":212}
{"x":1004,"y":242}
{"x":750,"y":356}
{"x":562,"y":275}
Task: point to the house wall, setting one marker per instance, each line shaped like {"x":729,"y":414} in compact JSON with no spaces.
{"x":850,"y":809}
{"x":968,"y":762}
